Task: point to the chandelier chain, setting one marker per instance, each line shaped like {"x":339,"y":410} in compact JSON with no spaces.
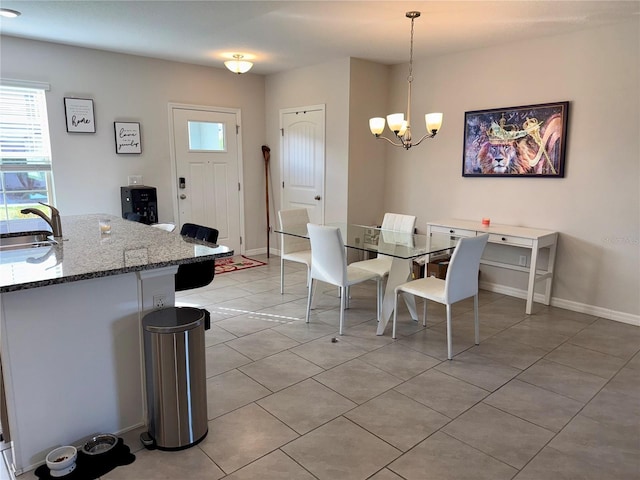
{"x":411,"y":53}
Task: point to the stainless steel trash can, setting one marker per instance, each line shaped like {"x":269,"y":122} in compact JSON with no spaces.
{"x":175,"y":378}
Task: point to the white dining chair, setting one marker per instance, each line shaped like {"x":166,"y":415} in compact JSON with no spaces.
{"x":461,"y":283}
{"x":392,"y":222}
{"x":329,"y":264}
{"x":395,"y":227}
{"x":293,"y":249}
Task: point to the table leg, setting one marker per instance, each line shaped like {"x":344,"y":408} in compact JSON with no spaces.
{"x":533,"y":268}
{"x":550,"y":268}
{"x":398,"y":274}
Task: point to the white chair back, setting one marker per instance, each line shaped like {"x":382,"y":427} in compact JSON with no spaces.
{"x":395,"y":228}
{"x":462,"y":274}
{"x":328,"y":258}
{"x":398,"y":222}
{"x":290,"y":218}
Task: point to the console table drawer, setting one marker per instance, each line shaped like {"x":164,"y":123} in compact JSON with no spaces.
{"x":457,"y":232}
{"x":510,"y":240}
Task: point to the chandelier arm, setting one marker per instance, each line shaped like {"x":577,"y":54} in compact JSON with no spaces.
{"x":427,"y":135}
{"x":392,"y":142}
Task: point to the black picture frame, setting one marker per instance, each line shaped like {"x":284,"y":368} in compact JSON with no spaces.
{"x":127,"y":137}
{"x":525,"y":141}
{"x":79,"y":115}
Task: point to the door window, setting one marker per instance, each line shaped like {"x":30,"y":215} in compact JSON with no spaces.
{"x":206,"y":137}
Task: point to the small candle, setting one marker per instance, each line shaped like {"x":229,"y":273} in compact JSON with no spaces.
{"x":486,"y":222}
{"x":105,"y":226}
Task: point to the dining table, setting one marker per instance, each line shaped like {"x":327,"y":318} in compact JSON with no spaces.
{"x":402,"y":247}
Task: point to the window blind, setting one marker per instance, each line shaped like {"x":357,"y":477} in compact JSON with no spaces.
{"x":24,"y":129}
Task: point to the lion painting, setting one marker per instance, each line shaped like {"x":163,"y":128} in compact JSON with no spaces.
{"x":537,"y":153}
{"x":500,"y":159}
{"x":541,"y":153}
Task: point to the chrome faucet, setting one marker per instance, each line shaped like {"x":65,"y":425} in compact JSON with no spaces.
{"x":54,"y":221}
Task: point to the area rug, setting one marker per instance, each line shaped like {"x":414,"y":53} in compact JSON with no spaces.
{"x":237,"y":262}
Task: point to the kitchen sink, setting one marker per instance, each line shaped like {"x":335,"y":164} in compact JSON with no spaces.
{"x":14,"y":241}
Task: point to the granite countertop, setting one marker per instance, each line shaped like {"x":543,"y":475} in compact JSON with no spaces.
{"x":84,"y":252}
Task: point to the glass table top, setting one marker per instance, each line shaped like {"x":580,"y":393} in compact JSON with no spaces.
{"x":385,"y":242}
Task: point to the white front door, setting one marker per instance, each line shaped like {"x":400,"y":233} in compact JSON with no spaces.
{"x":207,"y":170}
{"x":303,"y":160}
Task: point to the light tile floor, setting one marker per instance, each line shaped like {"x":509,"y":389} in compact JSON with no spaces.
{"x":554,"y":395}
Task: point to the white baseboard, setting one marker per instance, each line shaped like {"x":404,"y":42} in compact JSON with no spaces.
{"x":609,"y":314}
{"x":257,"y":251}
{"x":263,"y":251}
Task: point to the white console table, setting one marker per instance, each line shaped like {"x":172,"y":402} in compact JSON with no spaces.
{"x":532,"y":239}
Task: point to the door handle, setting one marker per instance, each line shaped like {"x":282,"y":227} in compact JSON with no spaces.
{"x":183,"y":196}
{"x":317,"y":197}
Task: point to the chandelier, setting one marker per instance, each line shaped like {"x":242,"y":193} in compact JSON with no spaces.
{"x":397,"y":124}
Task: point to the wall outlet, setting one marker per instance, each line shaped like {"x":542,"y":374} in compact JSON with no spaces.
{"x":522,"y":261}
{"x":135,"y":179}
{"x":159,"y":301}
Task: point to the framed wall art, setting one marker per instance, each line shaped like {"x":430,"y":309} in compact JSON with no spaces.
{"x":528,"y":141}
{"x":79,"y":115}
{"x":127,"y":136}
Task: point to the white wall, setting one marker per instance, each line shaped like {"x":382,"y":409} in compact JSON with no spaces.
{"x":366,"y":154}
{"x":88,"y":173}
{"x":326,"y":84}
{"x":596,"y":207}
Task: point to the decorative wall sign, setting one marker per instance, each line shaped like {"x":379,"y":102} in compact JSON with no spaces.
{"x":79,"y":115}
{"x":527,"y":141}
{"x":127,"y":137}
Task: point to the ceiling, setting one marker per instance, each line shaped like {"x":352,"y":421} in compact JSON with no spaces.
{"x":282,"y":35}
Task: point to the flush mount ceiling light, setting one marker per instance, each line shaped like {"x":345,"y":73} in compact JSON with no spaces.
{"x":8,"y":13}
{"x":397,"y":124}
{"x":237,"y":65}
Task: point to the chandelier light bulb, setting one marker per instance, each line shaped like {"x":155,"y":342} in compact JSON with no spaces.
{"x":376,"y":125}
{"x":395,"y":121}
{"x":433,"y":121}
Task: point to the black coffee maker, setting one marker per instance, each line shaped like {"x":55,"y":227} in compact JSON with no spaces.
{"x":139,"y":203}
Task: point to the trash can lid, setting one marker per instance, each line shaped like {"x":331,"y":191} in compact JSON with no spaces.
{"x":173,"y":319}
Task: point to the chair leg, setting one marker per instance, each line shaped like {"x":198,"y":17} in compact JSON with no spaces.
{"x":314,"y":287}
{"x":281,"y":276}
{"x":475,"y":314}
{"x":395,"y":314}
{"x":343,"y":292}
{"x":379,"y":299}
{"x":309,"y":300}
{"x":346,"y":293}
{"x":449,"y":342}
